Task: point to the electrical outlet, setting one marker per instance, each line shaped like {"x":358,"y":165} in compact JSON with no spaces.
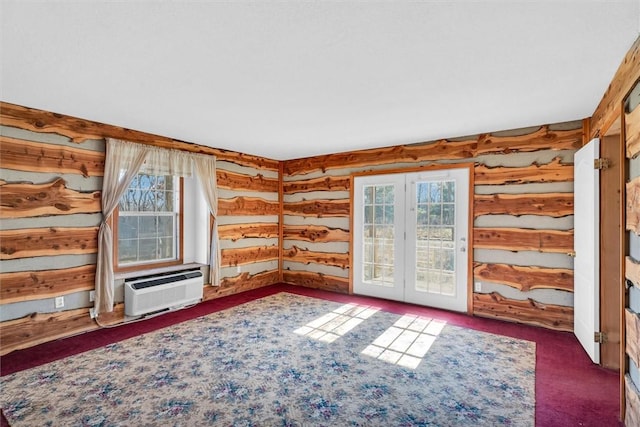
{"x":239,"y":270}
{"x":92,"y":312}
{"x":92,"y":296}
{"x":59,"y":302}
{"x":478,"y":287}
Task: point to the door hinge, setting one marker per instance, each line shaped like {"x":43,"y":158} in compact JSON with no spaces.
{"x":601,"y":163}
{"x":600,"y":337}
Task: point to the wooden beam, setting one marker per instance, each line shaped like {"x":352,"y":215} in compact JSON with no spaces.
{"x":632,"y":125}
{"x":540,"y":139}
{"x":40,"y":284}
{"x":414,"y":153}
{"x":528,"y":311}
{"x":315,"y":233}
{"x":38,"y":328}
{"x":305,"y":256}
{"x":548,"y":204}
{"x":253,"y":206}
{"x":608,"y":110}
{"x":318,"y":208}
{"x":23,"y":200}
{"x":34,"y":242}
{"x":632,"y":323}
{"x":329,"y":183}
{"x":525,"y":278}
{"x":80,"y":130}
{"x":22,"y":155}
{"x":241,"y":283}
{"x":632,"y":271}
{"x":517,"y":239}
{"x":556,"y":171}
{"x":633,"y":205}
{"x":236,"y":181}
{"x":316,"y":281}
{"x":250,"y":255}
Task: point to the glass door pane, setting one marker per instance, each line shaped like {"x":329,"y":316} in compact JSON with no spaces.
{"x":379,"y":234}
{"x":435,"y":237}
{"x":437,"y":230}
{"x":378,"y":225}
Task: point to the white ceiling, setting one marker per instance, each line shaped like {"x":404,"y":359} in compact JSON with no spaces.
{"x":293,"y":79}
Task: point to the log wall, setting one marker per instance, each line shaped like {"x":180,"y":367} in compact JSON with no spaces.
{"x":631,"y":379}
{"x":51,"y":169}
{"x":522,"y":227}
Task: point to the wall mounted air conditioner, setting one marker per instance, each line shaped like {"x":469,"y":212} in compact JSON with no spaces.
{"x":154,"y":293}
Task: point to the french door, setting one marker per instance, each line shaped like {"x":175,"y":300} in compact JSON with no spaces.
{"x":411,"y":235}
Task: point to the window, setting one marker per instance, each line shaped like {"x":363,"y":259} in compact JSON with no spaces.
{"x":148,"y":222}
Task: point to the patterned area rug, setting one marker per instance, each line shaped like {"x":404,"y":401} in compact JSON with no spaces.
{"x":286,"y":360}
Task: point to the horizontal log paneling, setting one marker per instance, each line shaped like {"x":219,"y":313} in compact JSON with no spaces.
{"x":42,"y":327}
{"x":441,"y":149}
{"x":556,"y":171}
{"x":632,"y":322}
{"x":315,"y":233}
{"x":236,"y":181}
{"x":316,"y":281}
{"x":253,"y":230}
{"x":81,"y":130}
{"x":113,"y":317}
{"x":608,"y":110}
{"x":632,"y":406}
{"x":632,"y":124}
{"x":318,"y":208}
{"x":247,"y":206}
{"x":633,"y":205}
{"x":248,"y":255}
{"x":305,"y":256}
{"x":632,"y":271}
{"x":34,"y":285}
{"x":54,"y":198}
{"x":551,"y":204}
{"x":529,"y":311}
{"x":329,"y":183}
{"x":525,"y":278}
{"x":35,"y":242}
{"x":516,"y":239}
{"x":242,"y":282}
{"x":29,"y":156}
{"x":542,"y":139}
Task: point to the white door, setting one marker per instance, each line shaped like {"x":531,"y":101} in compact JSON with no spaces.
{"x":378,"y":243}
{"x":437,"y":223}
{"x":410,"y":237}
{"x":586,"y":243}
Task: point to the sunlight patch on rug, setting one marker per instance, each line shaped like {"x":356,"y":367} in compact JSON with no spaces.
{"x":336,"y":323}
{"x":286,"y":360}
{"x":407,"y":341}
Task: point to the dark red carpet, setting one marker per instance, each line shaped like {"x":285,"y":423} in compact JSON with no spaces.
{"x":570,"y":390}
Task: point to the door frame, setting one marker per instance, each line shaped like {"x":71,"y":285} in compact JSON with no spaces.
{"x":423,"y":168}
{"x":612,"y":248}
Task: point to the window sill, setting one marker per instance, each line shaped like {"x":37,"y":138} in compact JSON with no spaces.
{"x":158,"y":270}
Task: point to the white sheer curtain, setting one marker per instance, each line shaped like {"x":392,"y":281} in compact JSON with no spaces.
{"x":206,"y":173}
{"x":123,"y":161}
